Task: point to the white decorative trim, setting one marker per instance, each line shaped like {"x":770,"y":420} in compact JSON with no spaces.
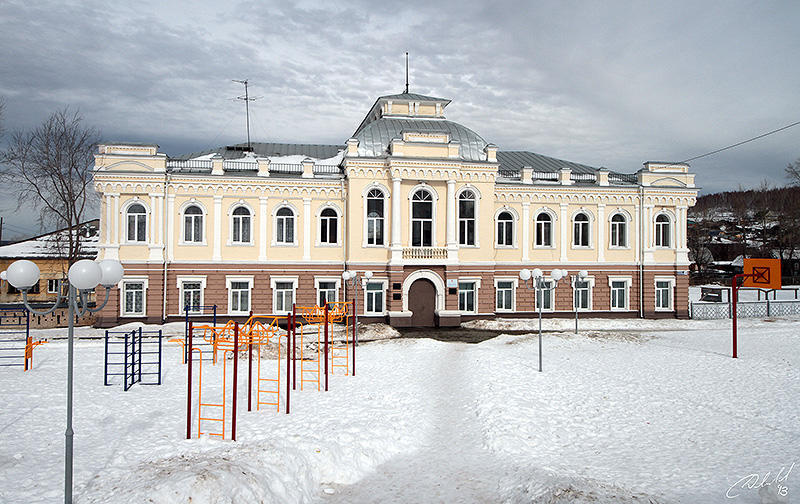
{"x":590,"y":279}
{"x":672,"y":281}
{"x":121,"y":287}
{"x":273,"y":280}
{"x":515,"y":283}
{"x":295,"y":218}
{"x":240,"y":278}
{"x":477,"y":213}
{"x":182,"y":219}
{"x":181,"y":279}
{"x":554,"y":216}
{"x":514,"y":227}
{"x":318,"y":219}
{"x":336,"y":279}
{"x":620,"y":278}
{"x":590,"y":215}
{"x":477,"y":282}
{"x":672,"y":228}
{"x":437,"y":281}
{"x":385,"y":283}
{"x":434,"y":203}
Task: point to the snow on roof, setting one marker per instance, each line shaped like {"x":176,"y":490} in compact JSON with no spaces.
{"x":54,"y":245}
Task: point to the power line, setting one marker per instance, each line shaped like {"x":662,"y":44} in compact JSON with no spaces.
{"x":741,"y":143}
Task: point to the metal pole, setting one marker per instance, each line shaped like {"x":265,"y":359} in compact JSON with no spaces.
{"x":734,"y":296}
{"x":189,"y":384}
{"x":355,"y":312}
{"x":293,"y":332}
{"x":235,"y":378}
{"x":541,"y":302}
{"x":250,"y":373}
{"x":326,"y":347}
{"x":68,"y":434}
{"x":575,"y":304}
{"x":355,"y":332}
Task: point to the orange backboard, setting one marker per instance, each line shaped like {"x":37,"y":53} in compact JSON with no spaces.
{"x":764,"y":273}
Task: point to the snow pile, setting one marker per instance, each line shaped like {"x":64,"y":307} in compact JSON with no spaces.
{"x":542,"y":488}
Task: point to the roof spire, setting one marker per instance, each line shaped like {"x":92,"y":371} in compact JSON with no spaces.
{"x":406,"y":91}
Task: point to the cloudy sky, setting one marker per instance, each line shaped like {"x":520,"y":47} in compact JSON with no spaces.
{"x":603,"y":83}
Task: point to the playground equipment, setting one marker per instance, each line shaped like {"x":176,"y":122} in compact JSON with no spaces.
{"x":16,"y":343}
{"x":195,"y":311}
{"x":134,"y":345}
{"x":260,"y":333}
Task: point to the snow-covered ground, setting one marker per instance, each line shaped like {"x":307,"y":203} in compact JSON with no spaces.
{"x":626,"y":411}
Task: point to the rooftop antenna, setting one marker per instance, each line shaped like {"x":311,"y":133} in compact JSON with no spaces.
{"x":246,"y":98}
{"x":406,"y":72}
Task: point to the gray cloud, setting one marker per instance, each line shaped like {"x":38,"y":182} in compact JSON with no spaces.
{"x":603,"y":83}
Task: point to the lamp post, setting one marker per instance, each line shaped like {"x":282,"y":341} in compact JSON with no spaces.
{"x":540,"y":284}
{"x":352,"y":276}
{"x":83,"y":276}
{"x":580,"y":277}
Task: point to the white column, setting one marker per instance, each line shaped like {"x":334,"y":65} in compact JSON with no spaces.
{"x":307,"y":237}
{"x":397,"y":243}
{"x":648,"y":218}
{"x":111,"y":250}
{"x":681,"y":227}
{"x":262,"y":228}
{"x":636,"y":229}
{"x":564,"y":232}
{"x":217,"y":256}
{"x":601,"y":228}
{"x":153,"y":221}
{"x":526,"y":231}
{"x":156,"y":214}
{"x":116,"y":220}
{"x":171,"y":226}
{"x":109,"y":218}
{"x":160,"y":200}
{"x":450,"y":226}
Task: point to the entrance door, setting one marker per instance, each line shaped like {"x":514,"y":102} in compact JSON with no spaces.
{"x":422,"y":303}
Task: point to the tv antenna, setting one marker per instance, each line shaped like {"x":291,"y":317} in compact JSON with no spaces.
{"x":246,"y":98}
{"x":406,"y":91}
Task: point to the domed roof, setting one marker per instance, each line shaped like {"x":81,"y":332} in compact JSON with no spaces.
{"x":374,"y":137}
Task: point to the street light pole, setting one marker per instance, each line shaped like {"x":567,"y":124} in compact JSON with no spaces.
{"x":83,"y":276}
{"x":353,"y":277}
{"x":580,"y":277}
{"x":539,"y":284}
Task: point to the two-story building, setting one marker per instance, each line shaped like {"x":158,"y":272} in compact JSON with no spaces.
{"x":444,"y":220}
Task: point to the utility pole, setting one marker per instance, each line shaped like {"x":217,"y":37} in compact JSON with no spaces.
{"x":1,"y":230}
{"x":246,"y":98}
{"x":406,"y":91}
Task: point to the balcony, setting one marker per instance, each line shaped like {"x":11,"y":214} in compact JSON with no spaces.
{"x":439,"y":253}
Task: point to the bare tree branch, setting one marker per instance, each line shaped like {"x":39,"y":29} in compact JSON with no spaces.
{"x":49,"y":167}
{"x":793,"y":172}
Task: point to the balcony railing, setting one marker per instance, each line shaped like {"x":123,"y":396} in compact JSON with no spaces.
{"x":424,"y":253}
{"x":292,"y":168}
{"x":586,"y":178}
{"x":237,"y":165}
{"x":189,"y":164}
{"x":508,"y":174}
{"x":326,"y":169}
{"x":624,"y":178}
{"x":537,"y":175}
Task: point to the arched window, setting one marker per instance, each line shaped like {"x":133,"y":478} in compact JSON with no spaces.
{"x":544,"y":230}
{"x":284,"y":225}
{"x":466,"y":218}
{"x":241,"y":225}
{"x":422,"y":219}
{"x":505,"y":229}
{"x":662,"y":231}
{"x":580,"y":236}
{"x":619,"y":231}
{"x":193,"y":224}
{"x":328,"y":222}
{"x":375,"y":217}
{"x":137,"y":223}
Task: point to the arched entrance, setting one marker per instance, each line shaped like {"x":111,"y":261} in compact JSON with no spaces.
{"x":422,"y":303}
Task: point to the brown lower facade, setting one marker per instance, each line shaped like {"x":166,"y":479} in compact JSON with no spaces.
{"x":403,"y":296}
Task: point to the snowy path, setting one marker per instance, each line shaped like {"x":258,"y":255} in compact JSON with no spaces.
{"x":454,"y":464}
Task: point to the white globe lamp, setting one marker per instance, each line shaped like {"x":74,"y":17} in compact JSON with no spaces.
{"x":3,"y":275}
{"x":556,"y":275}
{"x":22,"y":274}
{"x":583,"y":274}
{"x":367,"y":275}
{"x":110,"y":272}
{"x":85,"y":274}
{"x":525,"y":275}
{"x":537,"y":273}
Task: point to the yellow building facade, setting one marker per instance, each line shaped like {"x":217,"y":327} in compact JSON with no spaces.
{"x":443,"y":219}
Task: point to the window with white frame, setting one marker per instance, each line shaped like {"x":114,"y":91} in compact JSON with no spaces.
{"x":664,"y":289}
{"x":466,"y":218}
{"x":239,"y":296}
{"x":284,"y":226}
{"x":373,"y":298}
{"x":137,"y":223}
{"x":544,"y":230}
{"x":375,"y":217}
{"x":328,"y":227}
{"x":327,"y":292}
{"x":544,"y":296}
{"x":422,"y":219}
{"x":52,"y":286}
{"x":504,"y":290}
{"x":580,"y":236}
{"x":662,"y":231}
{"x":191,"y":296}
{"x":619,"y":294}
{"x":283,"y":296}
{"x":241,"y":225}
{"x":133,"y":298}
{"x":619,"y":230}
{"x":193,"y":224}
{"x":466,"y":296}
{"x":505,"y":229}
{"x":582,"y":292}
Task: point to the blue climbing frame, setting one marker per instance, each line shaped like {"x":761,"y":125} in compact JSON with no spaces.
{"x":141,"y":357}
{"x":15,"y":325}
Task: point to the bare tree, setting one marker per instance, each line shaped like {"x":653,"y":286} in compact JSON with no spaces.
{"x":793,"y":172}
{"x":49,"y":168}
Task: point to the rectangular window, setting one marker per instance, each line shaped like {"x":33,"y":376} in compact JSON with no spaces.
{"x":192,"y":292}
{"x":505,"y":296}
{"x":544,"y":296}
{"x":240,"y":297}
{"x":663,"y":295}
{"x":466,"y":296}
{"x":619,"y":295}
{"x":52,"y":286}
{"x":284,"y":297}
{"x":582,"y":293}
{"x":326,"y":293}
{"x":133,"y":298}
{"x":374,"y":298}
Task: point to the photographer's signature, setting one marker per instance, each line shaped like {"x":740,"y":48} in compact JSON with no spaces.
{"x":755,"y":480}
